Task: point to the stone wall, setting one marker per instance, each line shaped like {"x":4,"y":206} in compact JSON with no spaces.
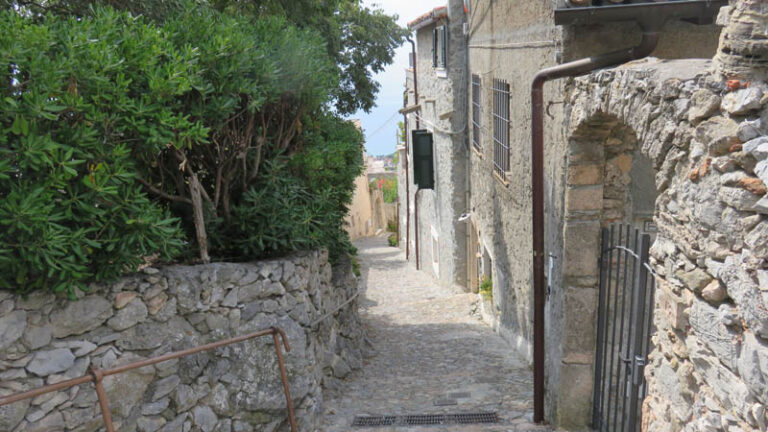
{"x":46,"y":339}
{"x":706,"y":140}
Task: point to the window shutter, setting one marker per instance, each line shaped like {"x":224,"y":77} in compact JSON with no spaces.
{"x":434,"y":47}
{"x":423,"y":160}
{"x":443,"y":46}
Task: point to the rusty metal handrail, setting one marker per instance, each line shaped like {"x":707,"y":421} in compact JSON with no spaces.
{"x":97,"y":375}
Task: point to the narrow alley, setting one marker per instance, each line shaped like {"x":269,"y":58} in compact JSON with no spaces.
{"x":432,"y":354}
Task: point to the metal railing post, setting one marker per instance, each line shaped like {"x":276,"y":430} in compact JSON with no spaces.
{"x":283,"y":374}
{"x":98,"y":377}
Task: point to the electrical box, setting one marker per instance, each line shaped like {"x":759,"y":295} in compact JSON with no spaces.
{"x":423,"y":160}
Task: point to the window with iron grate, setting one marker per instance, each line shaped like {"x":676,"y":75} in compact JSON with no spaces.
{"x":500,"y":127}
{"x":476,"y":111}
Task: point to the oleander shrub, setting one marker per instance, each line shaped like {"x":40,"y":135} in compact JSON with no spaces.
{"x":300,"y":202}
{"x":257,"y":85}
{"x":123,"y":138}
{"x":78,"y":96}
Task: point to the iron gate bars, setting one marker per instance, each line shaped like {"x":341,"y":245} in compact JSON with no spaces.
{"x":500,"y":128}
{"x":97,"y":375}
{"x":625,"y":319}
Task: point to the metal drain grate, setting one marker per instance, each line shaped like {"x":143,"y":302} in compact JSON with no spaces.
{"x":374,"y":421}
{"x":426,"y":419}
{"x":475,"y":418}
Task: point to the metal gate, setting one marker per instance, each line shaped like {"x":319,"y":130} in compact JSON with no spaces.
{"x":624,"y":324}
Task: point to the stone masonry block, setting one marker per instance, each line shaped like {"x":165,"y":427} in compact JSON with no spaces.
{"x":588,"y":198}
{"x":585,"y":151}
{"x":672,"y":307}
{"x":582,"y":248}
{"x":579,"y":314}
{"x":582,"y":175}
{"x":573,"y":409}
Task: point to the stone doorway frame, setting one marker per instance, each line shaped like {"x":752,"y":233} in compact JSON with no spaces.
{"x":600,"y":150}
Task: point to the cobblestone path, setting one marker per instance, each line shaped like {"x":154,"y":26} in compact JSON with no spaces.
{"x":428,"y":346}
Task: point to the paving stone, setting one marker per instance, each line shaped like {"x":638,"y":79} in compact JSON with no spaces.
{"x":428,"y":345}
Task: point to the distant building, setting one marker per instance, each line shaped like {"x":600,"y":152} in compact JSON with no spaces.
{"x":368,"y":213}
{"x":360,"y":217}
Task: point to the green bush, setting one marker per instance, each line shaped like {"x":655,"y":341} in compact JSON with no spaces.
{"x":299,"y":204}
{"x":486,"y":287}
{"x":111,"y":124}
{"x":392,"y":240}
{"x":392,"y":226}
{"x":256,"y":87}
{"x":388,"y":188}
{"x":78,"y":96}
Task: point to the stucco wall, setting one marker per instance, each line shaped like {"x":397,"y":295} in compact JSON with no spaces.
{"x":512,"y":40}
{"x":359,"y":220}
{"x":46,"y":339}
{"x":443,"y":111}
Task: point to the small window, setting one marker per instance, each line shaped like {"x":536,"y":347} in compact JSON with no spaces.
{"x":476,"y":104}
{"x":500,"y":127}
{"x":440,"y":47}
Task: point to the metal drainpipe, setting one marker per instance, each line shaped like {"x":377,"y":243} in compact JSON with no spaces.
{"x":571,"y":69}
{"x":416,"y":224}
{"x":415,"y":75}
{"x":415,"y":194}
{"x":407,"y":184}
{"x":468,"y":170}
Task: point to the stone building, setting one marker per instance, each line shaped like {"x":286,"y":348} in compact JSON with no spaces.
{"x":359,"y":220}
{"x":672,"y":145}
{"x":437,"y":239}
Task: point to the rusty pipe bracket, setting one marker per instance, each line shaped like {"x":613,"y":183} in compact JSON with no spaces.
{"x":281,"y":332}
{"x":98,"y":377}
{"x":549,"y":105}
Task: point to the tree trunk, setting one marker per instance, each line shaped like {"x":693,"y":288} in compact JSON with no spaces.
{"x":195,"y":189}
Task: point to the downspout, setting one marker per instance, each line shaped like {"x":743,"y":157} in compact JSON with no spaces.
{"x":468,"y":170}
{"x":416,"y":224}
{"x":415,"y":75}
{"x":571,"y":69}
{"x":407,"y":184}
{"x":415,"y":194}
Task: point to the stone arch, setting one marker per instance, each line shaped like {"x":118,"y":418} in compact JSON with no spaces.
{"x":608,"y":179}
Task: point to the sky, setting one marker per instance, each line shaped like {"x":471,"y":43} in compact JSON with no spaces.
{"x":380,"y":125}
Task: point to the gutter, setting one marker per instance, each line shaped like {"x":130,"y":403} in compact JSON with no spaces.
{"x":651,"y":17}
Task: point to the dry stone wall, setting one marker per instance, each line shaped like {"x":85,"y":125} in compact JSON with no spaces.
{"x":237,"y":388}
{"x":707,"y":139}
